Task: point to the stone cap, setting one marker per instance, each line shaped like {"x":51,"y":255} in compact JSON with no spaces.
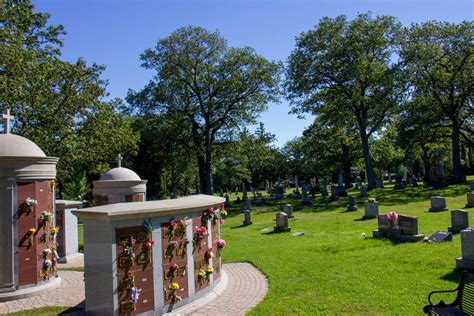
{"x":16,"y":146}
{"x":68,"y":203}
{"x":121,"y":211}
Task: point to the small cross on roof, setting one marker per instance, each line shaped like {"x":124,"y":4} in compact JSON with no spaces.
{"x":119,"y":160}
{"x":6,"y":117}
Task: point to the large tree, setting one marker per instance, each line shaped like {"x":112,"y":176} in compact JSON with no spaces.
{"x":208,"y":86}
{"x":57,"y":104}
{"x":346,"y":68}
{"x":439,"y":60}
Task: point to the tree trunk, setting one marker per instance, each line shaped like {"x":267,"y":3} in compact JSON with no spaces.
{"x":346,"y":167}
{"x":367,"y":159}
{"x":456,"y":151}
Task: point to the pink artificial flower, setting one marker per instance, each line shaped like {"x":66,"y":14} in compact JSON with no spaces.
{"x":222,"y":221}
{"x":202,"y":230}
{"x":150,"y":243}
{"x":392,"y":216}
{"x":173,"y":224}
{"x":133,"y":241}
{"x":173,"y":267}
{"x":221,"y":243}
{"x":222,"y":206}
{"x":210,"y":210}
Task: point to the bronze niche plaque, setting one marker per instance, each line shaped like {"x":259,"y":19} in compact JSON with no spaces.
{"x":142,"y":237}
{"x":182,"y":271}
{"x":127,"y":306}
{"x":125,"y":262}
{"x":143,"y":258}
{"x":180,"y":231}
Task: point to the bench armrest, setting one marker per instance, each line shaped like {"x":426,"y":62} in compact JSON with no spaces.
{"x":445,"y":291}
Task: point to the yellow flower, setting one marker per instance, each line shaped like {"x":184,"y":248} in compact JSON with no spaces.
{"x":202,"y":274}
{"x":224,"y":212}
{"x":55,"y":230}
{"x":209,"y":269}
{"x":32,"y":231}
{"x":174,"y":286}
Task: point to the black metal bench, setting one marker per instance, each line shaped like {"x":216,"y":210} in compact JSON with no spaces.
{"x":462,"y":305}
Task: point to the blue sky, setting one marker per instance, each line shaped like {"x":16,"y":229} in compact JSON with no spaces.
{"x":114,"y":32}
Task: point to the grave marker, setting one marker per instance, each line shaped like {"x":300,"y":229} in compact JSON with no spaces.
{"x":466,"y":261}
{"x":281,"y":223}
{"x":247,"y":220}
{"x":371,"y":207}
{"x":459,"y":221}
{"x":438,"y":204}
{"x":288,"y":209}
{"x":352,"y":204}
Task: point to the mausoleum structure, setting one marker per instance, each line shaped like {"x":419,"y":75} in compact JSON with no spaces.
{"x":119,"y":185}
{"x":151,"y":257}
{"x":27,"y":231}
{"x":67,"y":239}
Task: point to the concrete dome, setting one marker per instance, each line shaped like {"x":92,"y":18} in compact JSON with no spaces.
{"x":16,"y":146}
{"x":120,"y":174}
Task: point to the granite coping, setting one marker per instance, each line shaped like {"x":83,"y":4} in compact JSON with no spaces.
{"x":68,"y":203}
{"x":120,"y":211}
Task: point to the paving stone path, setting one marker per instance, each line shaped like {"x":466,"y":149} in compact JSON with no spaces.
{"x":246,"y":287}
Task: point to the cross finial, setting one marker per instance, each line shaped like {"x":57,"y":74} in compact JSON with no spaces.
{"x":6,"y":117}
{"x":119,"y":160}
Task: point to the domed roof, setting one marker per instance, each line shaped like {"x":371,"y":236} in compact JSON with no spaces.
{"x":120,"y":174}
{"x":16,"y":146}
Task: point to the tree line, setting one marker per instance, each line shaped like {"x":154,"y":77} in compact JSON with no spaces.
{"x":385,"y":97}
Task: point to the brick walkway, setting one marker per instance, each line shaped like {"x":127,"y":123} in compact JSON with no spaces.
{"x":246,"y":287}
{"x":69,"y":293}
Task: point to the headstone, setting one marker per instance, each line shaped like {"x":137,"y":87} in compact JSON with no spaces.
{"x":440,"y":236}
{"x":363,"y":191}
{"x":352,"y":204}
{"x":247,"y":220}
{"x":341,"y":189}
{"x":306,"y":200}
{"x":470,"y":200}
{"x":438,"y":204}
{"x":471,"y":186}
{"x":249,"y":204}
{"x":405,"y":228}
{"x":244,"y":193}
{"x":459,"y":221}
{"x":334,"y":193}
{"x":279,"y":191}
{"x":297,"y":189}
{"x":371,"y":207}
{"x":467,"y":250}
{"x":324,"y":188}
{"x":281,"y":223}
{"x":227,"y":200}
{"x":288,"y":209}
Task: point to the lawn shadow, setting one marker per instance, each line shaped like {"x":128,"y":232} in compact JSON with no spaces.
{"x":363,"y":218}
{"x":77,"y":310}
{"x":240,"y":226}
{"x":453,"y":276}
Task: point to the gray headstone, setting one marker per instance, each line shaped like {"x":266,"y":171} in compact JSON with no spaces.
{"x":470,"y":200}
{"x":438,"y":204}
{"x":247,"y":220}
{"x":288,"y":209}
{"x":352,"y":204}
{"x":297,"y":234}
{"x":408,"y":224}
{"x":281,"y":223}
{"x":371,"y":209}
{"x":334,"y":193}
{"x":467,"y":244}
{"x":363,"y":191}
{"x":227,"y":200}
{"x":459,"y":221}
{"x":324,"y":188}
{"x":249,"y":204}
{"x":440,"y":236}
{"x":471,"y":186}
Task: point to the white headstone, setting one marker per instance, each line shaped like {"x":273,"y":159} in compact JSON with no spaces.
{"x":371,"y":209}
{"x":288,"y":209}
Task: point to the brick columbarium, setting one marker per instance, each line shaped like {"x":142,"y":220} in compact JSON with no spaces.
{"x":459,"y":221}
{"x":467,"y":250}
{"x":151,"y":257}
{"x":371,"y":207}
{"x":119,"y":185}
{"x":28,"y":254}
{"x":67,"y":238}
{"x":438,"y":204}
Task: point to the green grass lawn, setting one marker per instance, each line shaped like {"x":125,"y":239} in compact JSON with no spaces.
{"x":332,"y":269}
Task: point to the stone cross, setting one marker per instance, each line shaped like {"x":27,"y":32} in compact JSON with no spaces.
{"x":119,"y":160}
{"x":6,"y":117}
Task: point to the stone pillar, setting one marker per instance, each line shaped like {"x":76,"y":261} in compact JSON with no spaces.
{"x":7,"y":233}
{"x":68,"y":235}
